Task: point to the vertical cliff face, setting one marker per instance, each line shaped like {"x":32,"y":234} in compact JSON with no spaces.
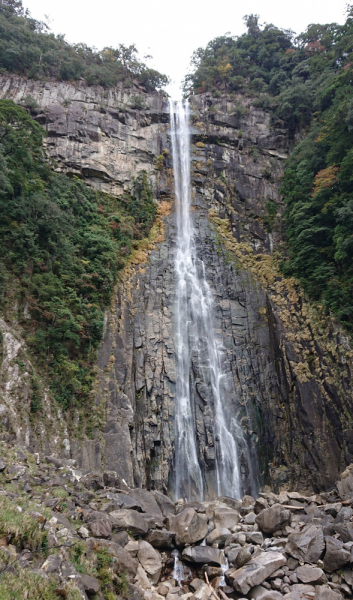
{"x":289,"y":367}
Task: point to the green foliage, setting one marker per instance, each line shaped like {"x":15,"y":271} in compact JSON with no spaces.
{"x":28,"y":48}
{"x":318,"y":182}
{"x":269,"y":219}
{"x":64,"y":243}
{"x":307,"y":83}
{"x":255,"y":60}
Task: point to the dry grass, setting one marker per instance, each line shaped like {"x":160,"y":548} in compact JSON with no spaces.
{"x":30,"y":586}
{"x":20,"y":528}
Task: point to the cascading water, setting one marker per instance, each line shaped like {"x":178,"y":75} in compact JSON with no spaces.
{"x":195,"y":342}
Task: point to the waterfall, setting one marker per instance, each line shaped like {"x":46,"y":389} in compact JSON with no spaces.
{"x":196,"y":346}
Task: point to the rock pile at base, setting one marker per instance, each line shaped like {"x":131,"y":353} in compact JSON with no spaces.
{"x":277,"y":546}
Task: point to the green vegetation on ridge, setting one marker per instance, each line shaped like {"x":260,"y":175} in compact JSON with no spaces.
{"x":28,"y":48}
{"x":306,"y":83}
{"x":62,"y":245}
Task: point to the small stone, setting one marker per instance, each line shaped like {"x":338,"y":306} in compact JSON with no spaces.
{"x":83,"y":532}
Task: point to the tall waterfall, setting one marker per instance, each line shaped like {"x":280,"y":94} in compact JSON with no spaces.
{"x":196,"y":343}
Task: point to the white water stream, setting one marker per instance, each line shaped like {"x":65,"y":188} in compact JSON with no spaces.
{"x":196,"y":346}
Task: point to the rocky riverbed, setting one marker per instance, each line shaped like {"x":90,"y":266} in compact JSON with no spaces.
{"x":91,"y":535}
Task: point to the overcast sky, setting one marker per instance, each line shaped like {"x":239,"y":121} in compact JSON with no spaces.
{"x":171,"y":30}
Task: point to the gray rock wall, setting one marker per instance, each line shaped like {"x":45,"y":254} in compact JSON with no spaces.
{"x":290,"y":367}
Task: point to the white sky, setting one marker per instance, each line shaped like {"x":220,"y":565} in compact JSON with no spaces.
{"x":171,"y":30}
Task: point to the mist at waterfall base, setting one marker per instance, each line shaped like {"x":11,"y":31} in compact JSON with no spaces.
{"x":197,"y":348}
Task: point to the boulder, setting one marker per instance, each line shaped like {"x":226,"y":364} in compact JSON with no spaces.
{"x":345,"y":484}
{"x":150,"y":560}
{"x":99,"y":525}
{"x":112,"y":479}
{"x":125,"y":501}
{"x":203,"y":592}
{"x":189,"y":527}
{"x":260,"y":504}
{"x":254,"y":537}
{"x":273,"y":518}
{"x":203,"y":555}
{"x":345,"y":531}
{"x":128,"y":520}
{"x":225,"y":518}
{"x":306,"y":545}
{"x":322,"y":593}
{"x":218,"y":536}
{"x":125,"y":561}
{"x":92,"y":481}
{"x":141,"y":579}
{"x":239,"y":556}
{"x":255,"y":571}
{"x":312,"y":575}
{"x":90,"y":584}
{"x":231,"y":502}
{"x":147,"y":501}
{"x":160,"y":538}
{"x":165,"y":504}
{"x":121,"y":538}
{"x":52,"y":563}
{"x":250,"y":518}
{"x":336,"y":556}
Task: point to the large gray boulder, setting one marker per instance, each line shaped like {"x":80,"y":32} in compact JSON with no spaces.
{"x":147,"y":500}
{"x":128,"y":520}
{"x":165,"y":504}
{"x":160,"y":538}
{"x":98,"y":523}
{"x":203,"y":555}
{"x":336,"y":556}
{"x":225,"y":518}
{"x":306,"y":545}
{"x":255,"y":571}
{"x":273,"y":518}
{"x":189,"y":527}
{"x":151,"y":561}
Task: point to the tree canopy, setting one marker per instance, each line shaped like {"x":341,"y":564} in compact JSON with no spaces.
{"x":307,"y":82}
{"x":27,"y":47}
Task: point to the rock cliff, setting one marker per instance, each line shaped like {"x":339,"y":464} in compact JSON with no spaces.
{"x":290,"y":366}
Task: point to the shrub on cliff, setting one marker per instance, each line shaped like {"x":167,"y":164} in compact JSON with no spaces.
{"x":63,"y":243}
